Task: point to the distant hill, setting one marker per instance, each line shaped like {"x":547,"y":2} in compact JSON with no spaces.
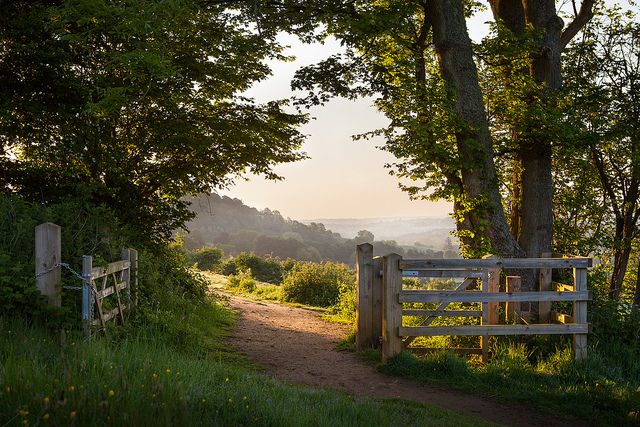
{"x":433,"y":232}
{"x":235,"y":227}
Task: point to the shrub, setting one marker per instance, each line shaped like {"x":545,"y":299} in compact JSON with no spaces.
{"x":263,"y":269}
{"x":243,"y":281}
{"x":208,"y":258}
{"x":317,"y":284}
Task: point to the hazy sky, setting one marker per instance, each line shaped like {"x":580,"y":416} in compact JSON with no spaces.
{"x":343,"y":178}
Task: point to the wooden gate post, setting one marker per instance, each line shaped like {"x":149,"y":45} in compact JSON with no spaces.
{"x":544,"y":307}
{"x":87,"y":293}
{"x":580,"y":313}
{"x":126,"y":275}
{"x":392,"y":308}
{"x":513,"y":284}
{"x":377,"y":301}
{"x":133,"y":254}
{"x":364,"y":296}
{"x":48,"y":254}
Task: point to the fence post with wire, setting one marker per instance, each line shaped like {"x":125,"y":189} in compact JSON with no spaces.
{"x":105,"y":289}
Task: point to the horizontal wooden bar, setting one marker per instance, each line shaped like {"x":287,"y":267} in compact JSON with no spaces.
{"x":561,"y":318}
{"x":429,"y":350}
{"x":110,"y":290}
{"x":114,"y":267}
{"x":525,"y":263}
{"x":477,"y":296}
{"x":443,"y":313}
{"x":461,"y":273}
{"x":110,"y":315}
{"x":561,"y":287}
{"x":492,"y":330}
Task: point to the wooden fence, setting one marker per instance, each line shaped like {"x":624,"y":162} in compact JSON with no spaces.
{"x":380,"y":299}
{"x":115,"y":281}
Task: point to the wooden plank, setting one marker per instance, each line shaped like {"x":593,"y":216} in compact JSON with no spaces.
{"x":87,"y":295}
{"x":101,"y":320}
{"x":48,"y":253}
{"x":544,"y":284}
{"x":561,"y":318}
{"x":110,"y":315}
{"x":525,"y":263}
{"x":513,"y":285}
{"x":580,"y":313}
{"x":484,"y":320}
{"x":443,"y":313}
{"x":113,"y":267}
{"x":110,"y":290}
{"x":562,"y":287}
{"x":474,"y":296}
{"x":392,"y":309}
{"x":118,"y":299}
{"x":364,"y":296}
{"x":134,"y":275}
{"x":475,"y":330}
{"x":494,"y":287}
{"x":461,"y":287}
{"x":460,"y":273}
{"x":376,"y":329}
{"x":126,"y":274}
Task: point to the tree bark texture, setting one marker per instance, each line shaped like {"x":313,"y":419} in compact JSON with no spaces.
{"x":473,"y":140}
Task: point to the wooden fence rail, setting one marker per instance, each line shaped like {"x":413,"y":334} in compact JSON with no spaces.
{"x":383,"y":277}
{"x":114,"y":279}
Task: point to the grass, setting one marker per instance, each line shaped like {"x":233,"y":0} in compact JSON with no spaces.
{"x":556,"y":384}
{"x":169,"y":366}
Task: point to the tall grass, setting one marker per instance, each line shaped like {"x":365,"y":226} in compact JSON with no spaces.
{"x":169,"y":367}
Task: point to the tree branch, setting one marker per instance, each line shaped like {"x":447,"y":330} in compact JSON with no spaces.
{"x":580,"y":20}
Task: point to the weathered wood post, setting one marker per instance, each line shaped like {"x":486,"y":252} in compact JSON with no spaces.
{"x":87,"y":293}
{"x":377,"y":301}
{"x":392,"y":308}
{"x":580,"y":313}
{"x":513,"y":285}
{"x":364,"y":296}
{"x":126,"y":274}
{"x":134,"y":274}
{"x":490,"y":283}
{"x":544,"y":307}
{"x":48,"y":255}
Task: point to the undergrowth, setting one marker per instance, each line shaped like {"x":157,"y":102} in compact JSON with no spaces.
{"x":168,"y":367}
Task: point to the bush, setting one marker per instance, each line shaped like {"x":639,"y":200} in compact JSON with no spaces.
{"x":243,"y":281}
{"x":263,"y":269}
{"x":208,"y":258}
{"x":317,"y":284}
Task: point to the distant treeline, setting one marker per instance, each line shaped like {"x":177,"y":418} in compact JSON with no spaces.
{"x":235,"y":227}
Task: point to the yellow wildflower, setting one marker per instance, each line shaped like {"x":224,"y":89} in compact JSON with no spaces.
{"x":73,"y":414}
{"x":23,"y":412}
{"x":111,"y":393}
{"x":45,"y":416}
{"x":45,"y":400}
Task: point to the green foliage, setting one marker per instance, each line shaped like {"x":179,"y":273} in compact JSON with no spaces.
{"x":135,"y":105}
{"x":208,"y":258}
{"x":85,"y":231}
{"x":317,"y":284}
{"x":242,"y":281}
{"x":169,"y":366}
{"x":268,"y":270}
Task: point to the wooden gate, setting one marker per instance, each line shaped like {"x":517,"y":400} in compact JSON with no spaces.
{"x":99,"y":283}
{"x":380,"y":299}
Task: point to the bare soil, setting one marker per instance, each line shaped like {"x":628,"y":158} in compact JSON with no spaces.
{"x":296,"y":346}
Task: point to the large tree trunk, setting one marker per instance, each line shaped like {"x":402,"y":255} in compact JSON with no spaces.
{"x":636,"y":297}
{"x":455,"y":57}
{"x":533,"y":224}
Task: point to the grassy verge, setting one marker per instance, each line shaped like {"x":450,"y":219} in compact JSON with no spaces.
{"x":557,"y":385}
{"x":168,"y":367}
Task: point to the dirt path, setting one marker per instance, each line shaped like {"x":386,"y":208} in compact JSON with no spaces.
{"x":296,"y":346}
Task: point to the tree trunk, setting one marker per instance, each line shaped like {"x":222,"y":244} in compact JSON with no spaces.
{"x":473,"y":140}
{"x":622,"y":251}
{"x":636,"y":297}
